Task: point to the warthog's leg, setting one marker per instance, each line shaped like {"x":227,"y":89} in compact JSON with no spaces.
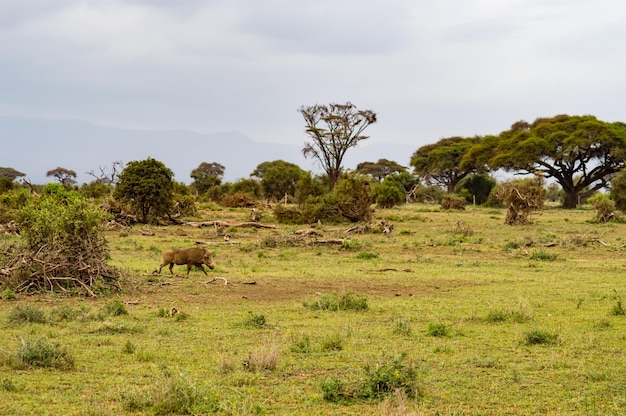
{"x":162,"y":266}
{"x":201,"y":267}
{"x":171,"y":267}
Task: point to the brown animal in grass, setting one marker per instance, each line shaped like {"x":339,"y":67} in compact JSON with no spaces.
{"x":189,"y":256}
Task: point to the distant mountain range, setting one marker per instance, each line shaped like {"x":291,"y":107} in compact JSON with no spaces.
{"x":35,"y":146}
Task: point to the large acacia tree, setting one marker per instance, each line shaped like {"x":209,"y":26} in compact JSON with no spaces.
{"x":333,"y":129}
{"x":439,"y":163}
{"x":147,"y":186}
{"x":581,"y":153}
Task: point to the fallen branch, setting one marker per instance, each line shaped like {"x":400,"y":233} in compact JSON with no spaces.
{"x":224,"y":224}
{"x":308,"y":232}
{"x":214,"y":279}
{"x":338,"y":241}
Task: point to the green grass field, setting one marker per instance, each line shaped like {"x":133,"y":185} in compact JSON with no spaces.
{"x":453,"y":313}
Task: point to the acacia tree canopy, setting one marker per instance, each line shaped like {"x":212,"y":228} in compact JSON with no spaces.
{"x":333,"y":129}
{"x":581,"y":153}
{"x":206,"y":176}
{"x":379,"y":170}
{"x":439,"y":163}
{"x":63,"y":176}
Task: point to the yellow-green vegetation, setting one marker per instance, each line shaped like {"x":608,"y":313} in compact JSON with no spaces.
{"x":452,"y":312}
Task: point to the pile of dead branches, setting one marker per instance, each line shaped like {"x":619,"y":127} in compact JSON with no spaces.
{"x":61,"y":247}
{"x":522,"y":196}
{"x":76,"y":269}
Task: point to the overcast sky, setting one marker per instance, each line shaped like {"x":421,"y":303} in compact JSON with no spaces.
{"x":429,"y":68}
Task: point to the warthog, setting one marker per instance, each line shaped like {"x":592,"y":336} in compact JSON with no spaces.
{"x":189,"y":256}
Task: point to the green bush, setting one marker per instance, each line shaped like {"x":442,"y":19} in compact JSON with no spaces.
{"x":332,"y":342}
{"x":334,"y":390}
{"x":392,"y":374}
{"x":539,"y":337}
{"x":339,"y":302}
{"x":174,"y":393}
{"x":437,"y":329}
{"x":114,"y":307}
{"x":366,"y":255}
{"x":389,"y":193}
{"x":26,"y":313}
{"x":503,"y":315}
{"x":543,"y":256}
{"x":61,"y":231}
{"x":40,"y":352}
{"x":255,"y":320}
{"x":388,"y":376}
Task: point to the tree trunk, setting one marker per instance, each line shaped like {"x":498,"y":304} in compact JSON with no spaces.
{"x":570,"y":200}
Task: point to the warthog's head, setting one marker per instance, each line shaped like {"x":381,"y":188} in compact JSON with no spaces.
{"x":208,"y":260}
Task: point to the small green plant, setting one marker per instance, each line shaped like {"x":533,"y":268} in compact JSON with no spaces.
{"x":255,"y":320}
{"x":7,"y":385}
{"x":402,"y":327}
{"x":175,"y":393}
{"x":334,"y":390}
{"x":618,"y":308}
{"x":114,"y":307}
{"x":332,"y":342}
{"x":7,"y":294}
{"x":264,"y":358}
{"x":350,"y":245}
{"x":27,"y":314}
{"x":340,"y":302}
{"x":365,"y":255}
{"x":301,"y":344}
{"x":40,"y":352}
{"x":67,"y":313}
{"x":539,"y":337}
{"x":503,"y":315}
{"x":129,"y":348}
{"x":437,"y":329}
{"x":512,"y":245}
{"x":543,"y":256}
{"x":391,"y":374}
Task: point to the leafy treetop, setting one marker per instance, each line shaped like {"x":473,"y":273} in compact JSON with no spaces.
{"x":581,"y":153}
{"x":333,"y":129}
{"x":439,"y":163}
{"x":147,"y":187}
{"x":379,"y":170}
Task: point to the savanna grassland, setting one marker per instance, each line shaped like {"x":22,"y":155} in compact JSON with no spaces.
{"x":452,"y":313}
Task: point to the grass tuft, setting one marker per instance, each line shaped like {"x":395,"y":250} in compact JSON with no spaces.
{"x":113,"y":307}
{"x":174,"y":393}
{"x":254,"y":320}
{"x":264,"y":358}
{"x":40,"y":352}
{"x":506,"y":315}
{"x":437,"y":329}
{"x":27,"y":314}
{"x":339,"y":302}
{"x":390,"y":375}
{"x":539,"y":337}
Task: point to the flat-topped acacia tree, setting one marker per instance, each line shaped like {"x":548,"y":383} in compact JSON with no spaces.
{"x":581,"y":153}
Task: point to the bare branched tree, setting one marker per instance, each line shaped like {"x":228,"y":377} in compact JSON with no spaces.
{"x":334,"y":129}
{"x":105,"y":176}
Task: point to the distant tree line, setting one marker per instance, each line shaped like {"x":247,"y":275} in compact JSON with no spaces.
{"x":575,"y":155}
